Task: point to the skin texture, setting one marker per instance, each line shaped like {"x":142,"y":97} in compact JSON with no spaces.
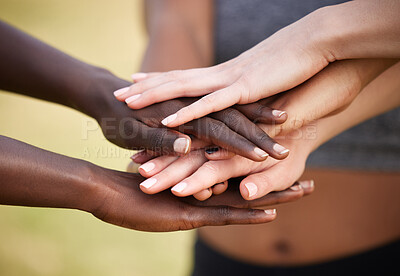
{"x":279,"y":63}
{"x":352,"y":208}
{"x":273,"y":175}
{"x":38,"y":178}
{"x":62,"y":79}
{"x":33,"y":177}
{"x":341,"y":82}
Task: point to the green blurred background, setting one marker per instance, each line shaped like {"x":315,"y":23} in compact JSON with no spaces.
{"x":38,"y":241}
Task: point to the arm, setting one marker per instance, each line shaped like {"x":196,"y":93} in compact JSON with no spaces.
{"x":273,"y":175}
{"x":180,"y":34}
{"x":54,"y":76}
{"x":359,"y":29}
{"x":33,"y":177}
{"x":294,"y":54}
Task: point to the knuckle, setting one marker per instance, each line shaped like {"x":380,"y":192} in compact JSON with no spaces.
{"x":157,"y":138}
{"x":190,"y":219}
{"x":208,"y":100}
{"x":262,"y":137}
{"x":230,"y":116}
{"x":210,"y":167}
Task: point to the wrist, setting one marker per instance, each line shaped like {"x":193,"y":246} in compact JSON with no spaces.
{"x":96,"y":98}
{"x":89,"y":186}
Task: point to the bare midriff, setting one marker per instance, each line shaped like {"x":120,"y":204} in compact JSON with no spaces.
{"x":348,"y":213}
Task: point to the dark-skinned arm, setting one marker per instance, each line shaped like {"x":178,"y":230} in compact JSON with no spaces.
{"x":30,"y":176}
{"x":32,"y":68}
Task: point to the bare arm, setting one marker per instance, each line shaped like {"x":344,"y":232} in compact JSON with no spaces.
{"x":180,"y":34}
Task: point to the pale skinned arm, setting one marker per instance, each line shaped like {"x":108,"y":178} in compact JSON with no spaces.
{"x":356,"y":29}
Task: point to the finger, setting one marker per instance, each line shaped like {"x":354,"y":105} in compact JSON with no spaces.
{"x":149,"y":83}
{"x":210,"y":173}
{"x":174,"y":173}
{"x":182,"y":87}
{"x":292,"y":193}
{"x":259,"y":184}
{"x":163,"y":141}
{"x":136,"y":77}
{"x":198,"y":143}
{"x":220,"y":188}
{"x":203,"y":195}
{"x":243,"y":126}
{"x":196,"y":216}
{"x":217,"y":133}
{"x":213,"y":102}
{"x":217,"y":153}
{"x":308,"y":186}
{"x":233,"y":198}
{"x":259,"y":113}
{"x":156,"y":165}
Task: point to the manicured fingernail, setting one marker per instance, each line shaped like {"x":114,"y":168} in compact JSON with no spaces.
{"x":278,"y":113}
{"x":251,"y":188}
{"x":212,"y":150}
{"x":147,"y":167}
{"x":280,"y":149}
{"x":138,"y":76}
{"x":296,"y":187}
{"x":260,"y":152}
{"x":169,"y":119}
{"x":270,"y":212}
{"x":121,"y":91}
{"x":148,"y":183}
{"x":181,"y":145}
{"x":132,"y":98}
{"x":135,"y":157}
{"x":307,"y":183}
{"x":179,"y":187}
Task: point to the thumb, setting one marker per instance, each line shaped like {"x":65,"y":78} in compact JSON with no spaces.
{"x":225,"y":215}
{"x":165,"y":141}
{"x":276,"y":178}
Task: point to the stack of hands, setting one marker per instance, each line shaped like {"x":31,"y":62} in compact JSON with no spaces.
{"x":257,"y":116}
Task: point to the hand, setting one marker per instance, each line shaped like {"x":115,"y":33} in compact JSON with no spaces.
{"x":330,"y":91}
{"x":229,"y":128}
{"x":279,"y":63}
{"x":118,"y":200}
{"x":194,"y":174}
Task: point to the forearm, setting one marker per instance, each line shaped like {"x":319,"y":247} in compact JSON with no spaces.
{"x":33,"y":68}
{"x":180,"y":35}
{"x":30,"y":176}
{"x":359,"y":29}
{"x":380,"y":96}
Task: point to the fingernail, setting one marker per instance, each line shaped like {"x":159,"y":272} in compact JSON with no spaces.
{"x":138,"y":76}
{"x":132,"y":98}
{"x":147,"y":167}
{"x":134,"y":157}
{"x":280,"y":149}
{"x":179,"y":187}
{"x":181,"y":145}
{"x":260,"y":152}
{"x":251,"y":188}
{"x":121,"y":91}
{"x":278,"y":113}
{"x":296,"y":187}
{"x":270,"y":212}
{"x":212,"y":150}
{"x":307,"y":183}
{"x":148,"y":183}
{"x":169,"y":119}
